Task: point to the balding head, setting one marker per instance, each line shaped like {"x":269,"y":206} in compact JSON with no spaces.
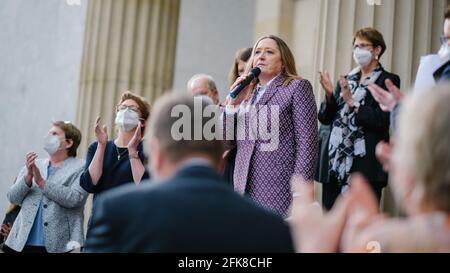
{"x":173,"y":136}
{"x":203,"y":85}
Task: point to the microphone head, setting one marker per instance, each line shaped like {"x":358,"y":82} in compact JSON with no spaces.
{"x":255,"y":71}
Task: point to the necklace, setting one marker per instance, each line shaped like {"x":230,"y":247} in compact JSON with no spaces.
{"x":120,"y":154}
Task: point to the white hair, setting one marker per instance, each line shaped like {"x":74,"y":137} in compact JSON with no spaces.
{"x":209,"y":78}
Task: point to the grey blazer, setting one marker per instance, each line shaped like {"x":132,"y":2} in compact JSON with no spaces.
{"x":63,"y":203}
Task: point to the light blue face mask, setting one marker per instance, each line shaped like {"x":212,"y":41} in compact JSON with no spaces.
{"x":127,"y":120}
{"x":362,"y":57}
{"x":51,"y":144}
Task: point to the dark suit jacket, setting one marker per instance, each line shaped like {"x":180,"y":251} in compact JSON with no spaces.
{"x":321,"y":174}
{"x":375,"y":124}
{"x":194,"y":211}
{"x":230,"y":162}
{"x":442,"y":73}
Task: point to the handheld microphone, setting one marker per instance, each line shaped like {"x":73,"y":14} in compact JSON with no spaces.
{"x":252,"y":75}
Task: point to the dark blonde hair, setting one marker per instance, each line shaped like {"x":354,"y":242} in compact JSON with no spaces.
{"x":372,"y":35}
{"x":72,"y":133}
{"x":423,"y":146}
{"x":287,"y":59}
{"x":242,"y":54}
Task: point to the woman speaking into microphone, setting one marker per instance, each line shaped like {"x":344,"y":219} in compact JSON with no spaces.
{"x":264,"y":174}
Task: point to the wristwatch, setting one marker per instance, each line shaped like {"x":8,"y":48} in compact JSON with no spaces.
{"x":134,"y":155}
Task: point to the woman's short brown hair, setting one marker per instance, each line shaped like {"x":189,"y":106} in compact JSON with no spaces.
{"x":144,"y":106}
{"x":72,"y":133}
{"x":373,"y":36}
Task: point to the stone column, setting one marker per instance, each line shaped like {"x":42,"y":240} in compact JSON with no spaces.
{"x":129,"y":45}
{"x":323,"y":31}
{"x":274,"y":17}
{"x":320,"y":34}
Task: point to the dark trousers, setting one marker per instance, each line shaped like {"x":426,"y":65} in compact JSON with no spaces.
{"x":230,"y":161}
{"x":26,"y":249}
{"x":332,"y":189}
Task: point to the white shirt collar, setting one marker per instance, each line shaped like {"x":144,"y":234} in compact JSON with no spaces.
{"x":195,"y":161}
{"x":262,"y":88}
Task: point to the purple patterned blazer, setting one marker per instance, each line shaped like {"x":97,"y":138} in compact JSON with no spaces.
{"x":264,"y":175}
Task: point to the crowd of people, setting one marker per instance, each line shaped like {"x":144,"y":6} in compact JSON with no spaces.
{"x":248,"y":190}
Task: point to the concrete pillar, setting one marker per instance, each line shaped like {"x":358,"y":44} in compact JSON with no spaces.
{"x":274,"y":17}
{"x":129,"y":45}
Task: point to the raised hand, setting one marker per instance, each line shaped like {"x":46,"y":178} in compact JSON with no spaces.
{"x":325,"y":81}
{"x":364,"y":211}
{"x":29,"y":162}
{"x":6,"y":228}
{"x":386,"y":100}
{"x":137,"y":138}
{"x":100,"y":132}
{"x":345,"y":89}
{"x":383,"y":153}
{"x":38,"y":177}
{"x":312,"y":230}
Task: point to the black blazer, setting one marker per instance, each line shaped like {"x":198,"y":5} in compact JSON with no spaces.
{"x":195,"y":211}
{"x":443,"y":72}
{"x":321,"y":174}
{"x":375,"y":124}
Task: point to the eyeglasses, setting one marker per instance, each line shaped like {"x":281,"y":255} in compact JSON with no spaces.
{"x":53,"y":133}
{"x":444,"y":39}
{"x":361,"y":46}
{"x":131,"y":107}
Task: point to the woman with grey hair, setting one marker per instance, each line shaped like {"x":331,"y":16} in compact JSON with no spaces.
{"x":421,"y":186}
{"x":52,"y":200}
{"x":356,"y":121}
{"x":421,"y":183}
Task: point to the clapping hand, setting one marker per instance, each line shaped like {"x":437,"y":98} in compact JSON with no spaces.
{"x":383,"y":153}
{"x":364,"y":211}
{"x":313,"y":231}
{"x":137,"y":138}
{"x":30,"y":159}
{"x":38,"y":177}
{"x":346,"y":92}
{"x":386,"y":100}
{"x":100,"y":132}
{"x":326,"y":83}
{"x":6,"y":228}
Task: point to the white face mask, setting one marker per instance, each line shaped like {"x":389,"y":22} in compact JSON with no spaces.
{"x":362,"y":57}
{"x":444,"y":51}
{"x":127,"y":120}
{"x":51,"y":144}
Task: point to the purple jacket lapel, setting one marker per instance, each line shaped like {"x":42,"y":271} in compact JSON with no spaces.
{"x":271,"y":90}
